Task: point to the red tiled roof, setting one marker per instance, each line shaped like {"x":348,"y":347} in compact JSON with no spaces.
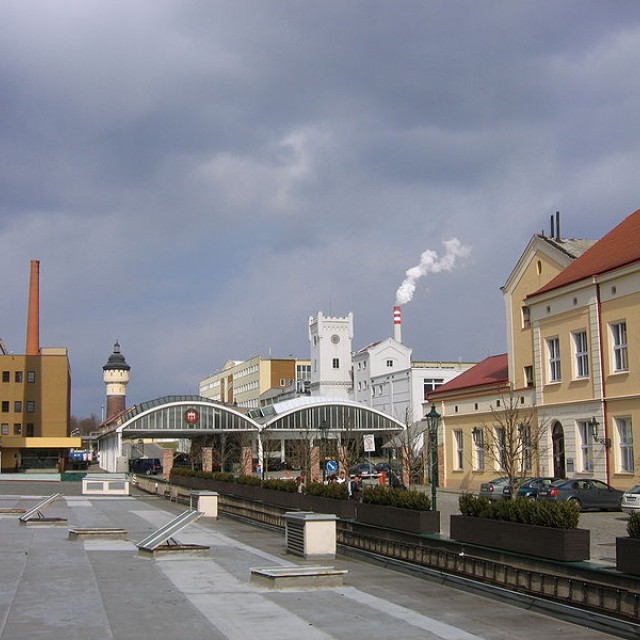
{"x":491,"y":371}
{"x":618,"y":248}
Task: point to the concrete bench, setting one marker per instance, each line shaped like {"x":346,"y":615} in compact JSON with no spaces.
{"x":103,"y":533}
{"x":298,"y":577}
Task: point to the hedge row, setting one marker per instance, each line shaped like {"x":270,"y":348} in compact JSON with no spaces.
{"x":377,"y":494}
{"x":559,"y":515}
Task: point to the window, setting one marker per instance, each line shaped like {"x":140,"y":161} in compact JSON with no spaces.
{"x":431,"y":384}
{"x":18,"y":376}
{"x":336,"y":363}
{"x":31,"y":431}
{"x":526,"y":317}
{"x":6,"y":376}
{"x":17,"y":406}
{"x":5,"y":428}
{"x":553,"y":348}
{"x":524,"y":433}
{"x":619,"y":335}
{"x":459,"y":449}
{"x":31,"y":406}
{"x":625,"y":439}
{"x":31,"y":377}
{"x":5,"y":406}
{"x":528,"y":376}
{"x":389,"y":363}
{"x":581,"y":354}
{"x":17,"y":429}
{"x":478,"y":448}
{"x":501,"y":447}
{"x":586,"y":445}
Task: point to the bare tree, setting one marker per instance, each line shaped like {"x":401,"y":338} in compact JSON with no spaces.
{"x":514,"y":440}
{"x":413,"y":445}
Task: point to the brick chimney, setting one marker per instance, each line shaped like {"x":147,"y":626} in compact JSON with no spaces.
{"x":33,"y":311}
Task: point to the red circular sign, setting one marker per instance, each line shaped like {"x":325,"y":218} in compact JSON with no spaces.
{"x":191,"y":416}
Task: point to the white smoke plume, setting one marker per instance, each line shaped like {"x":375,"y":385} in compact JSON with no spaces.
{"x":431,"y":263}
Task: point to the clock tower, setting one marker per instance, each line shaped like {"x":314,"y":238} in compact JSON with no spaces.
{"x":116,"y":377}
{"x":330,"y":340}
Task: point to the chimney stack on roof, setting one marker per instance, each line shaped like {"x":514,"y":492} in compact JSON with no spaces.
{"x":397,"y":324}
{"x":33,"y":311}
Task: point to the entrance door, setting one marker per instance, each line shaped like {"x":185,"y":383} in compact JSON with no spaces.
{"x":559,"y":466}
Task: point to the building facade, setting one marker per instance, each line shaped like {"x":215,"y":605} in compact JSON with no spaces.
{"x":573,"y":321}
{"x":243,"y":382}
{"x":35,"y":399}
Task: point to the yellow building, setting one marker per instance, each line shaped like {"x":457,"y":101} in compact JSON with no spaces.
{"x":35,"y":400}
{"x":244,"y":382}
{"x":573,"y":318}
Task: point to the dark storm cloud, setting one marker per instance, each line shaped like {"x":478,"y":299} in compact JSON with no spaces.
{"x":197,"y":178}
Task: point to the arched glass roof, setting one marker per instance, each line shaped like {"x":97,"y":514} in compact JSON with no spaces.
{"x":181,"y":416}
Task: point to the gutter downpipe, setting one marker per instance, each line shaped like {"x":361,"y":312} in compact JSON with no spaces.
{"x":603,"y":394}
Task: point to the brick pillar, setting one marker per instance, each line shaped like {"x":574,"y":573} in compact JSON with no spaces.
{"x":167,"y":462}
{"x":316,"y":473}
{"x":246,"y":464}
{"x":207,"y":459}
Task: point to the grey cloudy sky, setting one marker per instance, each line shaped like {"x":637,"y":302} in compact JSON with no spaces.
{"x":197,"y":178}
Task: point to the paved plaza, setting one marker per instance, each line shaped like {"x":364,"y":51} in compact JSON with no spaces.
{"x":59,"y":589}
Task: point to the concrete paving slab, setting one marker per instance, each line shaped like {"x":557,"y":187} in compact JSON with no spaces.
{"x":58,"y":589}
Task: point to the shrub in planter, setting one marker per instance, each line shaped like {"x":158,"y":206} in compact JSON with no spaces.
{"x":557,"y":515}
{"x":628,"y":549}
{"x":633,"y":526}
{"x":335,"y":491}
{"x":252,"y":481}
{"x":401,"y":499}
{"x":278,"y":484}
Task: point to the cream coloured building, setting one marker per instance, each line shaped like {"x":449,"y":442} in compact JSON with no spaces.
{"x":243,"y":382}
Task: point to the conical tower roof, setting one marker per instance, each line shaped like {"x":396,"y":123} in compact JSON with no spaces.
{"x":116,"y":360}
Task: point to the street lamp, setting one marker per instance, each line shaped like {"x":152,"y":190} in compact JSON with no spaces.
{"x":593,"y":425}
{"x":433,"y":418}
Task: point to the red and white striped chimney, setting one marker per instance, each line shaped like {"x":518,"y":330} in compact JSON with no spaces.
{"x":33,"y":311}
{"x":397,"y":324}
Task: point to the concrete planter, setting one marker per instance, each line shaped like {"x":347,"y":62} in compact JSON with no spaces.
{"x":628,"y":555}
{"x":410,"y":520}
{"x":566,"y":545}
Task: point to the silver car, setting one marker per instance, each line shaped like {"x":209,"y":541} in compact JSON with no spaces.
{"x":630,"y":501}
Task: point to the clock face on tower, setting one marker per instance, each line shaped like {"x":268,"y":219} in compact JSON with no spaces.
{"x":335,"y":338}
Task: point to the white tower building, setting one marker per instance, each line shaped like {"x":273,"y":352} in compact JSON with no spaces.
{"x":331,"y":340}
{"x":116,"y":377}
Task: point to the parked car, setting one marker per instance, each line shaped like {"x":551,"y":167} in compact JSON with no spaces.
{"x":529,"y":487}
{"x":630,"y":501}
{"x":585,"y":493}
{"x":494,"y":488}
{"x":363,"y":469}
{"x":146,"y":466}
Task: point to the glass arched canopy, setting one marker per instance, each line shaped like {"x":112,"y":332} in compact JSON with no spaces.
{"x":185,"y":416}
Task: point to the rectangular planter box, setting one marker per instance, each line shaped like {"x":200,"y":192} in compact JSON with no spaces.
{"x":628,"y":555}
{"x":566,"y":545}
{"x":409,"y":520}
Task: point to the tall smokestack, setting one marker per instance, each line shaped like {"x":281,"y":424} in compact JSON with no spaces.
{"x":558,"y":236}
{"x":33,"y":311}
{"x":397,"y":324}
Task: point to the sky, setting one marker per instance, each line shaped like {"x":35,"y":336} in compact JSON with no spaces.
{"x":198,"y":178}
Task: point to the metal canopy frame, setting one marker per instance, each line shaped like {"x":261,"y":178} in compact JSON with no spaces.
{"x":37,"y":510}
{"x":164,"y":536}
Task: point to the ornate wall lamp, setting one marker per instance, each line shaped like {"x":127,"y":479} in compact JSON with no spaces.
{"x":593,"y":425}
